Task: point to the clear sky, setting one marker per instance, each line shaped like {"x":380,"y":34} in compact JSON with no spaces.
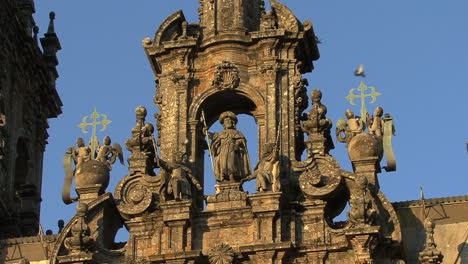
{"x":415,"y":53}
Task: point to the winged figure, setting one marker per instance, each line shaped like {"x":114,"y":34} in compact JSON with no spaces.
{"x":108,"y":154}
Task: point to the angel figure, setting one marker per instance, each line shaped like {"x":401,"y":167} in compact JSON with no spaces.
{"x":80,"y":154}
{"x":108,"y":154}
{"x":376,"y":123}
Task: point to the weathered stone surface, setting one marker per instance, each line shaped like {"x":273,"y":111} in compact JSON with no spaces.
{"x":240,"y":59}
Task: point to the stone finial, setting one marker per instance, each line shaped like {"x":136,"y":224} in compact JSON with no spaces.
{"x":80,"y":240}
{"x":51,"y":28}
{"x":142,"y":145}
{"x":60,"y":224}
{"x":430,"y":254}
{"x":317,"y":126}
{"x":51,"y":44}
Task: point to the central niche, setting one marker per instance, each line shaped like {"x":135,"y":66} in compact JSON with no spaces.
{"x":212,"y":107}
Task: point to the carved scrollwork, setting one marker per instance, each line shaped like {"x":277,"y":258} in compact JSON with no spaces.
{"x":319,"y":178}
{"x":226,"y":76}
{"x":133,"y":195}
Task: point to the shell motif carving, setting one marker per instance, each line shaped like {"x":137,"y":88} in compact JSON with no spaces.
{"x":320,"y":177}
{"x":133,"y":195}
{"x":221,"y":254}
{"x":226,"y":76}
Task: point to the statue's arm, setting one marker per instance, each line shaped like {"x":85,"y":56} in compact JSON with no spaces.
{"x":194,"y":180}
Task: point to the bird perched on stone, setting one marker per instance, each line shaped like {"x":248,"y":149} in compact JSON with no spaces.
{"x":360,"y":71}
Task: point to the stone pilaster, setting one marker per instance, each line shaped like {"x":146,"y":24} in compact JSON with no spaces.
{"x":265,"y":207}
{"x":176,"y":217}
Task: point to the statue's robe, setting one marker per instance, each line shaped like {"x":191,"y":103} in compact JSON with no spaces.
{"x":231,"y":156}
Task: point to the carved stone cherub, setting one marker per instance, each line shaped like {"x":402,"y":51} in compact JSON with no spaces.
{"x":350,"y":128}
{"x":375,"y":123}
{"x":80,"y":154}
{"x":177,"y":179}
{"x":108,"y":154}
{"x":267,"y":170}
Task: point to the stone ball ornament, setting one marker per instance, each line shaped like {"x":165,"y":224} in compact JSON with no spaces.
{"x":93,"y":172}
{"x":364,"y":146}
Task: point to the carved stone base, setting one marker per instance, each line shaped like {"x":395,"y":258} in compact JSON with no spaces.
{"x":316,"y":144}
{"x":230,"y":195}
{"x":139,"y":162}
{"x":89,"y":193}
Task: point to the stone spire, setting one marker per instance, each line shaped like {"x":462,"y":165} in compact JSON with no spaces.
{"x":230,"y":16}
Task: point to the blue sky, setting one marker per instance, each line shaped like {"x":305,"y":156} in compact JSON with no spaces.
{"x":414,"y":53}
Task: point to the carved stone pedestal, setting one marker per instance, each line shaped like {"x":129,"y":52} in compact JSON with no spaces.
{"x":176,"y":217}
{"x":316,"y":144}
{"x":363,"y":240}
{"x":89,"y":193}
{"x":230,"y":196}
{"x":314,"y":224}
{"x":369,"y":168}
{"x":266,"y":207}
{"x":139,"y":162}
{"x":80,"y":258}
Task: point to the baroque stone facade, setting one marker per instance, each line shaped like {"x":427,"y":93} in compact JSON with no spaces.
{"x":27,"y":99}
{"x":239,"y":59}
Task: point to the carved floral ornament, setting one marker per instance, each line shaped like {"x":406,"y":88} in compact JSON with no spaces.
{"x":221,"y":254}
{"x":226,"y":76}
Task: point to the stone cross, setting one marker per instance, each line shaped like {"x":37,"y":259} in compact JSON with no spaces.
{"x":94,"y":124}
{"x":363,"y":95}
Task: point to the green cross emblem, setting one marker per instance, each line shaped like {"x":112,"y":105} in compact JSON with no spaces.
{"x":94,"y":124}
{"x":363,"y":95}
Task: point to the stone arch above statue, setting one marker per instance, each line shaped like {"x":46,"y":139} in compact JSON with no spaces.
{"x":243,"y":100}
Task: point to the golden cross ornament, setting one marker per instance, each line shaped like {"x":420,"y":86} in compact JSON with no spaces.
{"x":95,"y":116}
{"x":363,"y":95}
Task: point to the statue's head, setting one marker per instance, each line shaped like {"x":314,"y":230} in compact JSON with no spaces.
{"x":228,"y":120}
{"x":378,"y":112}
{"x":349,"y":114}
{"x":107,"y":140}
{"x":316,"y":96}
{"x":140,"y":113}
{"x":268,"y":149}
{"x":80,"y":142}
